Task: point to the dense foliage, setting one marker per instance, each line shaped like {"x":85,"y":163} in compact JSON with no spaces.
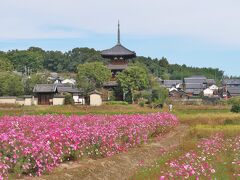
{"x":235,"y":108}
{"x":5,"y":65}
{"x":10,"y":84}
{"x":37,"y":59}
{"x":31,"y":81}
{"x":134,"y":78}
{"x":36,"y":144}
{"x":92,"y":75}
{"x":68,"y":99}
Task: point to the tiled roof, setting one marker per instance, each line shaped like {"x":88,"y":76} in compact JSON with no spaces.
{"x":52,"y":88}
{"x":195,"y":79}
{"x":8,"y":97}
{"x":193,"y":86}
{"x":171,"y":83}
{"x":118,"y":51}
{"x":234,"y":91}
{"x":211,"y":81}
{"x":95,"y":92}
{"x":231,"y":82}
{"x":45,"y":88}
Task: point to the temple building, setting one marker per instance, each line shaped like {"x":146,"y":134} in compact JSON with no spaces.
{"x":119,"y":57}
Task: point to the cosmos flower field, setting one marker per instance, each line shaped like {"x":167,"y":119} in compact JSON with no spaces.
{"x":32,"y":145}
{"x":202,"y":162}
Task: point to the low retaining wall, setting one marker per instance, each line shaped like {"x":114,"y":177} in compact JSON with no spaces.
{"x":8,"y":100}
{"x":26,"y":100}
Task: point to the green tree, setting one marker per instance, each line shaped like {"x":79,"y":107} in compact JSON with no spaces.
{"x":5,"y":65}
{"x":82,"y":55}
{"x":10,"y":84}
{"x":68,"y":99}
{"x":92,"y":75}
{"x":134,"y":78}
{"x":26,"y":59}
{"x":164,"y":62}
{"x":32,"y":80}
{"x":159,"y":94}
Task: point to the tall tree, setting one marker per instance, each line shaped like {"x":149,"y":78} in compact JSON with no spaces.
{"x":164,"y":62}
{"x":21,"y":60}
{"x":134,"y":78}
{"x":92,"y":75}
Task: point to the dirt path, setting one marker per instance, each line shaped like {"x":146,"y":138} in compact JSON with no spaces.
{"x":120,"y":166}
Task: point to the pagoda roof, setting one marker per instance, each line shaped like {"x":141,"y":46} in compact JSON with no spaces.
{"x":118,"y":51}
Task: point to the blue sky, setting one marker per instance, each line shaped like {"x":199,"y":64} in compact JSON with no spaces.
{"x":196,"y":33}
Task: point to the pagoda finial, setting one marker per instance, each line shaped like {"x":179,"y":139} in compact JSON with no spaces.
{"x":118,"y":33}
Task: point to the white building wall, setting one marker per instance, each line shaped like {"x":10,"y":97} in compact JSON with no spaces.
{"x":8,"y":100}
{"x":95,"y":100}
{"x":208,"y":92}
{"x":28,"y":102}
{"x":57,"y":101}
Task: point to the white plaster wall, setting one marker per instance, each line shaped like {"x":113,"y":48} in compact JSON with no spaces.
{"x":20,"y":102}
{"x":8,"y":101}
{"x":208,"y":92}
{"x":28,"y":102}
{"x":95,"y":100}
{"x":58,"y":101}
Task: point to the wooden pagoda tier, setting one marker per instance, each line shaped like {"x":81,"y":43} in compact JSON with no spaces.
{"x":118,"y":52}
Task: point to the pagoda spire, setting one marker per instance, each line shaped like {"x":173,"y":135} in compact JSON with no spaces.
{"x":118,"y":42}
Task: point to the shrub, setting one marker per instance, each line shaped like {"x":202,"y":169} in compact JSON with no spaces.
{"x":117,"y":103}
{"x":235,"y":108}
{"x":159,"y":95}
{"x":68,"y":99}
{"x":141,"y":103}
{"x":233,"y":100}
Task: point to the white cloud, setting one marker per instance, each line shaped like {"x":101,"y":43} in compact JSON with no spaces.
{"x":211,"y":20}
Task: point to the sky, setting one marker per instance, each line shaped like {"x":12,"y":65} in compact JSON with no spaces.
{"x":202,"y":33}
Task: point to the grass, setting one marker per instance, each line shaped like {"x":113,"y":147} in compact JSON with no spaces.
{"x":201,"y":131}
{"x":78,"y":110}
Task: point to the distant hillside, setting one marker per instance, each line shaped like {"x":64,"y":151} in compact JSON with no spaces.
{"x":38,"y":60}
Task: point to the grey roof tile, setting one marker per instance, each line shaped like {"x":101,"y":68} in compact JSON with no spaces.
{"x":118,"y":51}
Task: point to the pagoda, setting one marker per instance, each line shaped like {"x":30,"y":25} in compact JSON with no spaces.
{"x":118,"y":55}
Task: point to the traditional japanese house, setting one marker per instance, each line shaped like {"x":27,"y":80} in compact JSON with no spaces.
{"x":193,"y":89}
{"x":231,"y":87}
{"x":194,"y":85}
{"x":196,"y":80}
{"x":45,"y":93}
